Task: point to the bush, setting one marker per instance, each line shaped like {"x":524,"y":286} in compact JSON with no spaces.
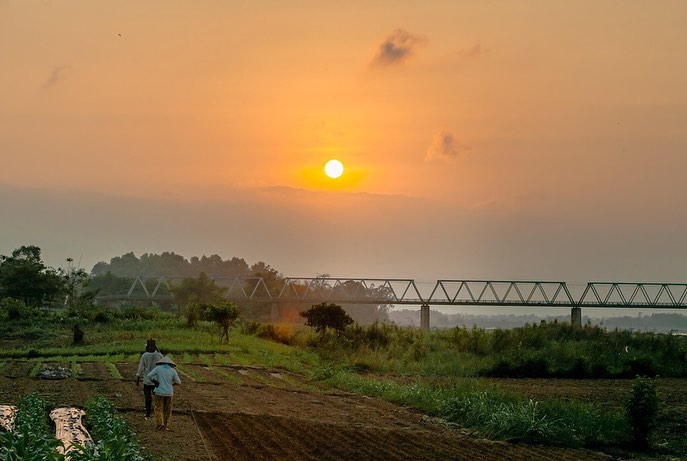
{"x":642,"y":409}
{"x":530,"y":367}
{"x":279,"y":333}
{"x":15,"y":309}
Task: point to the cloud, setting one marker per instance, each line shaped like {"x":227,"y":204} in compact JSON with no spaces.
{"x":474,"y":52}
{"x":397,"y":48}
{"x":54,"y":77}
{"x":443,"y":147}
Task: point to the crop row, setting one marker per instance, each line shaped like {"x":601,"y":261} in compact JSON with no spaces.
{"x":33,"y":438}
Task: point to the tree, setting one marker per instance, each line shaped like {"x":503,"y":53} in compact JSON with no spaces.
{"x":24,"y":276}
{"x":364,"y":314}
{"x":194,"y":293}
{"x":202,"y":290}
{"x":271,"y":283}
{"x":223,"y":313}
{"x":76,"y":282}
{"x":327,"y":315}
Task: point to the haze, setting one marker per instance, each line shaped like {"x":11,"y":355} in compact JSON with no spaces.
{"x":482,"y":139}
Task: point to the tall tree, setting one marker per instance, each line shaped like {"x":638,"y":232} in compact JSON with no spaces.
{"x":24,"y":276}
{"x":76,"y":282}
{"x":201,"y":290}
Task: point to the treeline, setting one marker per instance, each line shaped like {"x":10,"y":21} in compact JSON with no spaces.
{"x":26,"y":282}
{"x":172,"y":264}
{"x":117,"y":277}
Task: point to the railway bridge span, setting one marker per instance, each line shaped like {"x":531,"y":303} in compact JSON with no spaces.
{"x":444,"y":292}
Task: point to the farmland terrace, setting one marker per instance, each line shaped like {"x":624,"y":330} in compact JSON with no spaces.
{"x":231,"y":412}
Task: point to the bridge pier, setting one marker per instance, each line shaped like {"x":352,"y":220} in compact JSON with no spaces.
{"x":576,"y":316}
{"x":274,"y":312}
{"x":424,"y":317}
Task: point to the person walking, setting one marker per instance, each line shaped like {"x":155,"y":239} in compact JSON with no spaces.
{"x":148,"y":361}
{"x":165,"y":377}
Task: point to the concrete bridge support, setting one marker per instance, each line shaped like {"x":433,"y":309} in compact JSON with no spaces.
{"x":424,"y":317}
{"x":274,"y":312}
{"x":576,"y":316}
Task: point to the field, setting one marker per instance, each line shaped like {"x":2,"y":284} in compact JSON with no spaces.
{"x":226,"y":411}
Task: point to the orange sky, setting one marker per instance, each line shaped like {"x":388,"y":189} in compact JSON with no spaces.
{"x":481,"y":139}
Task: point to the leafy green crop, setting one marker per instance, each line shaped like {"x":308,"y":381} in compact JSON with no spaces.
{"x":115,"y":439}
{"x":33,"y":438}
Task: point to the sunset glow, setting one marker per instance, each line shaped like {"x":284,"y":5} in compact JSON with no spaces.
{"x":473,"y":146}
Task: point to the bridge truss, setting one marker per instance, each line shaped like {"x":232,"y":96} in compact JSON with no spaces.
{"x":405,"y":292}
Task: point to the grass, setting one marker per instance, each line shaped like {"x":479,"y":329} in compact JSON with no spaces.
{"x":229,"y":375}
{"x":114,"y":372}
{"x":205,"y":359}
{"x":191,"y":374}
{"x":37,"y":366}
{"x":75,"y":368}
{"x":434,"y":372}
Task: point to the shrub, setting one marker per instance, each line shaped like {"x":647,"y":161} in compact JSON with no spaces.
{"x":192,"y":312}
{"x":279,"y":333}
{"x":642,"y":409}
{"x":529,"y":367}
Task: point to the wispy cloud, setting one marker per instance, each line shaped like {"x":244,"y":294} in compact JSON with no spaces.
{"x":397,"y":48}
{"x":444,"y":147}
{"x":474,"y":52}
{"x":55,"y":76}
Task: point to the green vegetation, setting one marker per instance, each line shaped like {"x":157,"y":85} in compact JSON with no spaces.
{"x":438,"y":372}
{"x":33,"y":439}
{"x":642,"y":409}
{"x":325,"y":316}
{"x":545,"y":350}
{"x":114,"y":372}
{"x":37,"y":366}
{"x":113,"y":437}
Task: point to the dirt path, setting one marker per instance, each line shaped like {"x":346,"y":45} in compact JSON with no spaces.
{"x":241,"y":413}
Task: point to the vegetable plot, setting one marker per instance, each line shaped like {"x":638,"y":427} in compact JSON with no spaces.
{"x":27,"y":435}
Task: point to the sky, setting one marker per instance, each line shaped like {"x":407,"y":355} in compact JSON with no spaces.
{"x":481,"y":139}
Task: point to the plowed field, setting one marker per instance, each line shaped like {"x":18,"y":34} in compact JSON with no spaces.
{"x":241,"y":413}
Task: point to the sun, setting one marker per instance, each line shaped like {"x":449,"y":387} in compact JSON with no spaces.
{"x":333,"y":168}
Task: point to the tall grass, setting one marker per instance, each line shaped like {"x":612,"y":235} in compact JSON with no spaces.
{"x":491,"y":411}
{"x":541,"y":350}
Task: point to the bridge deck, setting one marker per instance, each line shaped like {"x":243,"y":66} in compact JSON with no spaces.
{"x":405,"y":292}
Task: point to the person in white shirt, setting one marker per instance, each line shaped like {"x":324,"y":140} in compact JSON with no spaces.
{"x":165,"y":377}
{"x":148,"y":361}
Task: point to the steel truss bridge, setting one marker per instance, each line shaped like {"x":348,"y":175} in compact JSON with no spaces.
{"x":304,"y":290}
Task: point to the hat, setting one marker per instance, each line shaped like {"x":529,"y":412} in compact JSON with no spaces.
{"x":166,"y":360}
{"x":150,"y":345}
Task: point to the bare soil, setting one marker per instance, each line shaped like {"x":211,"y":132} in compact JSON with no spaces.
{"x":226,"y":413}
